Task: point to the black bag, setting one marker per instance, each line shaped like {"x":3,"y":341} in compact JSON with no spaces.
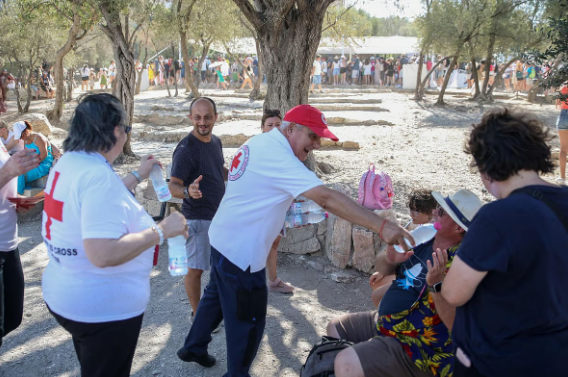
{"x":322,"y":356}
{"x":539,"y":195}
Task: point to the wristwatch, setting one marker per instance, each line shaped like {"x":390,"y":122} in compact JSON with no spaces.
{"x":185,"y":192}
{"x":436,"y":288}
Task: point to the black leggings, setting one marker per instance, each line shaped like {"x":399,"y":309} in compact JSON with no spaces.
{"x":105,"y":348}
{"x":11,"y":292}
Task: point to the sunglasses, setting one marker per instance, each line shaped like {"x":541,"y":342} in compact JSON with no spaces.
{"x":127,"y":129}
{"x":441,"y":211}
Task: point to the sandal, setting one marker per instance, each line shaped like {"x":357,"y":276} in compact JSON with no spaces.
{"x":279,"y":286}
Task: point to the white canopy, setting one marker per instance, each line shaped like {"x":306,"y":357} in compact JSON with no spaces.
{"x":362,"y":46}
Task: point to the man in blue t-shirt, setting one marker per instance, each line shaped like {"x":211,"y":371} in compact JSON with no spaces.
{"x":198,"y":177}
{"x":356,"y":69}
{"x":509,"y":277}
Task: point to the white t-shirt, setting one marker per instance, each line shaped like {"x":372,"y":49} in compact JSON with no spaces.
{"x":317,"y":70}
{"x":8,"y":217}
{"x":224,"y":69}
{"x":264,"y":178}
{"x":86,"y":71}
{"x":85,"y":199}
{"x":16,"y":148}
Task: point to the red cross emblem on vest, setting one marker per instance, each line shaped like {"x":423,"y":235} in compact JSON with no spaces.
{"x":52,"y":208}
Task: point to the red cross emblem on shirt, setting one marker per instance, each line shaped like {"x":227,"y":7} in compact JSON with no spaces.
{"x":52,"y":208}
{"x":236,"y":161}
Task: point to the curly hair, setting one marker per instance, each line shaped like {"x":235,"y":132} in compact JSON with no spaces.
{"x":421,"y":200}
{"x":505,"y":142}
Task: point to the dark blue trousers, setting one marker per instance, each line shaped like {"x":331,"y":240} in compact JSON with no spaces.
{"x":238,"y":297}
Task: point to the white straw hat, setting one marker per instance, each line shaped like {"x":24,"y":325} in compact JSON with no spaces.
{"x":461,"y":206}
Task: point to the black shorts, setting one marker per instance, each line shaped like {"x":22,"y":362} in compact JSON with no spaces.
{"x":85,"y":78}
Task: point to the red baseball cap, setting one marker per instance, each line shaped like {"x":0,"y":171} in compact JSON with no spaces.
{"x":312,"y":118}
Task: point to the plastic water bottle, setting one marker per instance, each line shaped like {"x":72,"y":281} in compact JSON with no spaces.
{"x":159,"y":183}
{"x":304,"y":207}
{"x":302,"y":219}
{"x":422,"y":234}
{"x":177,"y":256}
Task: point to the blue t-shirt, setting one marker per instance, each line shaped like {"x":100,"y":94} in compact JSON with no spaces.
{"x":516,"y":323}
{"x":193,"y":158}
{"x":356,"y":63}
{"x":410,"y":281}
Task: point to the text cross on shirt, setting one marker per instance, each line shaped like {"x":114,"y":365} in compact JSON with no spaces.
{"x":52,"y":208}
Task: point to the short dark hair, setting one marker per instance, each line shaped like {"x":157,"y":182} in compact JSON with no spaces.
{"x":3,"y":124}
{"x":422,"y":200}
{"x":208,"y":99}
{"x":505,"y":142}
{"x":270,"y":114}
{"x":93,"y":123}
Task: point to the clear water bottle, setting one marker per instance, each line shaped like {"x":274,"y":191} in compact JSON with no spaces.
{"x":422,"y":234}
{"x":177,"y":256}
{"x":304,"y":207}
{"x":302,"y":219}
{"x":159,"y":183}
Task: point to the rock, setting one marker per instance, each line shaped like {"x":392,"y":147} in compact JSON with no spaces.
{"x":162,"y":119}
{"x":39,"y":122}
{"x":59,"y":133}
{"x":326,"y":143}
{"x":350,"y":145}
{"x":233,"y":141}
{"x":363,"y":250}
{"x":300,"y":240}
{"x":340,"y":277}
{"x":338,"y":237}
{"x":325,"y":167}
{"x":315,"y":265}
{"x":384,"y":123}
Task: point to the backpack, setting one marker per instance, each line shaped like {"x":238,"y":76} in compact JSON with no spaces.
{"x":322,"y":356}
{"x":375,"y":190}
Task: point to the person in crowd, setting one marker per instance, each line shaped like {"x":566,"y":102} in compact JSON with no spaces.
{"x":422,"y":205}
{"x":11,"y":273}
{"x":166,"y":71}
{"x":5,"y":79}
{"x":508,"y":277}
{"x":530,"y":76}
{"x":407,"y":337}
{"x":45,"y":84}
{"x":220,"y":78}
{"x":248,"y":74}
{"x":562,"y":125}
{"x":389,"y":72}
{"x":85,"y":73}
{"x":102,"y":78}
{"x":34,"y":86}
{"x":198,"y":177}
{"x":12,"y":143}
{"x":324,"y":65}
{"x":112,"y":72}
{"x":507,"y":76}
{"x":97,"y":281}
{"x":92,"y":79}
{"x":367,"y":72}
{"x":519,"y":72}
{"x":272,"y":119}
{"x":343,"y":69}
{"x":336,"y":66}
{"x":265,"y":176}
{"x":41,"y":146}
{"x":316,"y":74}
{"x":204,"y":67}
{"x":380,"y":68}
{"x":355,"y":73}
{"x":181,"y":72}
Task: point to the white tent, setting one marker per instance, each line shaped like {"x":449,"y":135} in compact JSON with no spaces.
{"x":363,"y":46}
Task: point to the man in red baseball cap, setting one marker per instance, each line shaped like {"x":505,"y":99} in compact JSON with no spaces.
{"x":304,"y":126}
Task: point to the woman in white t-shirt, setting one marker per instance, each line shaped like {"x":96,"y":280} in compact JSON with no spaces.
{"x":11,"y":273}
{"x":100,"y":240}
{"x":9,"y":139}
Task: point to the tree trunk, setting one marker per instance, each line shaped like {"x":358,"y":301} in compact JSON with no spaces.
{"x":417,"y":91}
{"x":425,"y":81}
{"x":173,"y":68}
{"x":475,"y":77}
{"x":254,"y":94}
{"x":125,"y":79}
{"x":440,"y":100}
{"x":70,"y":83}
{"x":488,"y":60}
{"x":57,"y":111}
{"x":297,"y":41}
{"x":139,"y":74}
{"x":189,"y":82}
{"x":500,"y":76}
{"x":200,"y":62}
{"x":29,"y":93}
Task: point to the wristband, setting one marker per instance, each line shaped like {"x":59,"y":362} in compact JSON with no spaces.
{"x":136,"y":175}
{"x":381,"y":231}
{"x":158,"y":230}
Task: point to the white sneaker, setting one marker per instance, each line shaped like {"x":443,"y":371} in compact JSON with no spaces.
{"x":561,"y":181}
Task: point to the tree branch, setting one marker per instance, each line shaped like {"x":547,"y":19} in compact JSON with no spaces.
{"x":339,"y":18}
{"x":250,"y":13}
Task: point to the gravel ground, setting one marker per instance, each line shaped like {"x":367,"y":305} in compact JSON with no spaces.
{"x":423,"y":148}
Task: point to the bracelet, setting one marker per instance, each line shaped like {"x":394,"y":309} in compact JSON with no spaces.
{"x":136,"y":175}
{"x":158,"y":230}
{"x":381,"y":231}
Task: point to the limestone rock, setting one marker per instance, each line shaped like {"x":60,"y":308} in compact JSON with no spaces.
{"x":325,"y":167}
{"x":162,"y":119}
{"x":59,"y":133}
{"x":341,"y":277}
{"x":363,"y":250}
{"x":350,"y":145}
{"x":338,"y":237}
{"x":39,"y":122}
{"x":300,"y":240}
{"x":555,"y":154}
{"x":233,"y":141}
